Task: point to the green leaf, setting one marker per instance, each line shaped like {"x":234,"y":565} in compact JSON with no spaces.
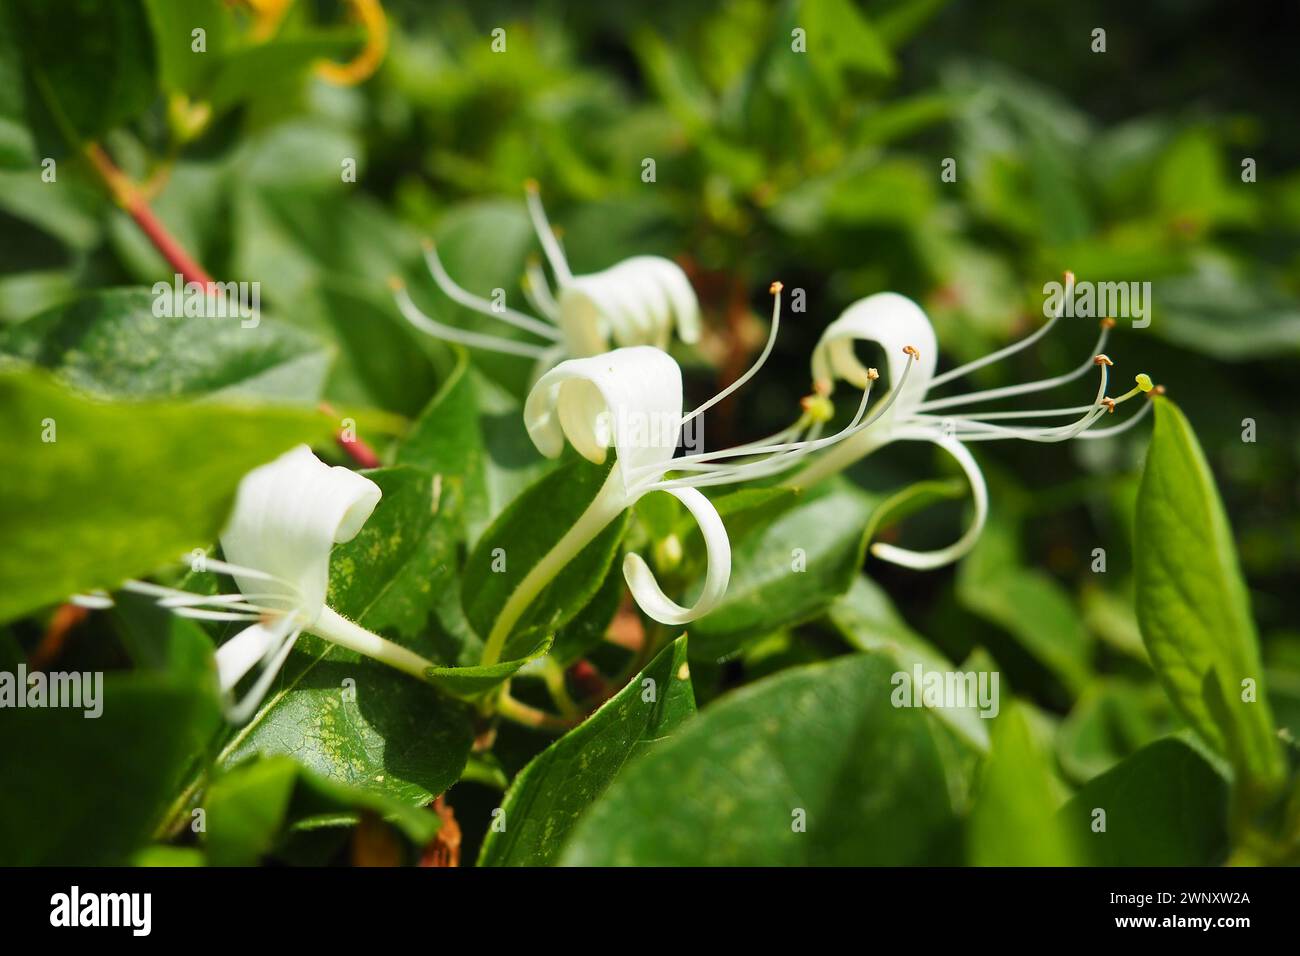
{"x":379,"y":351}
{"x":1014,"y":820}
{"x":91,"y":66}
{"x":180,"y":67}
{"x":1228,"y":313}
{"x":355,"y":721}
{"x":1112,"y":719}
{"x":405,"y":568}
{"x":524,"y":534}
{"x":248,"y":71}
{"x":549,"y":796}
{"x":1192,"y":604}
{"x":1164,"y":806}
{"x":249,"y":808}
{"x":865,"y":617}
{"x":111,"y":343}
{"x":1028,"y":604}
{"x":402,"y":571}
{"x":90,"y":791}
{"x":811,"y":766}
{"x":823,"y":534}
{"x":588,"y":627}
{"x":474,"y":431}
{"x":126,"y":486}
{"x":163,"y":855}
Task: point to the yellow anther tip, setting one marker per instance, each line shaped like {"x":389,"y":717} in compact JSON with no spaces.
{"x":775,"y":287}
{"x":1102,"y":360}
{"x":1107,"y":323}
{"x":1110,"y":404}
{"x":872,"y":374}
{"x":822,"y":387}
{"x":395,"y":283}
{"x":911,"y":350}
{"x":1069,"y":277}
{"x":1144,"y":382}
{"x":1158,"y":390}
{"x":532,"y":186}
{"x":427,"y":244}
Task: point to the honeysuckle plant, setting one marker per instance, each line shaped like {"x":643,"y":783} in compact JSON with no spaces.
{"x":287,"y":517}
{"x":631,"y":400}
{"x":901,"y":328}
{"x":642,"y":300}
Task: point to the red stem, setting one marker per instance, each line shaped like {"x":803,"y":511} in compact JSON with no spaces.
{"x":127,"y":195}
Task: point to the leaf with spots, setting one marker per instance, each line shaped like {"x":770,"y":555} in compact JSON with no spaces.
{"x":112,"y":343}
{"x":353,"y":720}
{"x":550,"y":795}
{"x":523,"y":535}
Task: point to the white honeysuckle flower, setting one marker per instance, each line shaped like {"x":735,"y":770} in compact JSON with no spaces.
{"x":630,"y":399}
{"x":287,"y":517}
{"x":897,"y":323}
{"x":639,"y":301}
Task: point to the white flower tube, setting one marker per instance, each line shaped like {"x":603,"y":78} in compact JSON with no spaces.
{"x":288,"y":515}
{"x":630,"y":399}
{"x":890,"y":320}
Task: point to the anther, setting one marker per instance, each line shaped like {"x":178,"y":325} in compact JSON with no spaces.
{"x":1110,"y":404}
{"x":1107,"y":323}
{"x":1102,"y":360}
{"x":395,"y":283}
{"x":911,"y":350}
{"x":775,"y":288}
{"x":1158,"y":390}
{"x":532,"y":186}
{"x":427,"y":244}
{"x":818,"y":407}
{"x":872,"y":374}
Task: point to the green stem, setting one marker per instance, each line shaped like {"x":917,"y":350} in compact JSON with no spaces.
{"x":521,"y":713}
{"x":608,"y":504}
{"x":337,"y":629}
{"x":553,"y":674}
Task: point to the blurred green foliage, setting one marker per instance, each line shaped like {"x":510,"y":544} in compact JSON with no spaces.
{"x":821,"y":170}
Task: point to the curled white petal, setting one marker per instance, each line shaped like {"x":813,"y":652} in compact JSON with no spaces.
{"x":894,"y":322}
{"x":638,"y":301}
{"x":277,"y":642}
{"x":237,"y":656}
{"x":629,"y":399}
{"x":926,"y":560}
{"x":288,"y":514}
{"x":645,"y":589}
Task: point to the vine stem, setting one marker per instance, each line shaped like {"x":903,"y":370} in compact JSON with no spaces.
{"x":127,"y":195}
{"x":134,"y":201}
{"x":520,"y":713}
